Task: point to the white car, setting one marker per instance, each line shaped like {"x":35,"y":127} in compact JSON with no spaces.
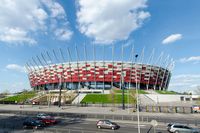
{"x":180,"y":128}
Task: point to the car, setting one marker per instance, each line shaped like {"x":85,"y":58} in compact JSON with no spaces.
{"x":107,"y":124}
{"x":35,"y":102}
{"x":48,"y":120}
{"x":42,"y":115}
{"x":181,"y":128}
{"x":196,"y":108}
{"x":33,"y":124}
{"x":169,"y":126}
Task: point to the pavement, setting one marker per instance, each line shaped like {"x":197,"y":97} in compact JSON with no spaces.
{"x":92,"y":110}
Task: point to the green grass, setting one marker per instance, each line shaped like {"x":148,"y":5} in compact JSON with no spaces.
{"x":126,"y":91}
{"x":106,"y":98}
{"x":20,"y":97}
{"x":165,"y":92}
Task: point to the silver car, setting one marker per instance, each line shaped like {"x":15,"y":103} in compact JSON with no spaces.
{"x":107,"y":124}
{"x":180,"y":128}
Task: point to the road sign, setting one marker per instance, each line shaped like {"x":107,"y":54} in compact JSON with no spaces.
{"x":154,"y":123}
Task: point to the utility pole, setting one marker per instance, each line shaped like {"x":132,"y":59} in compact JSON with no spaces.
{"x":130,"y":80}
{"x":60,"y":86}
{"x":138,"y":114}
{"x":122,"y":79}
{"x":123,"y":99}
{"x":60,"y":82}
{"x":78,"y":59}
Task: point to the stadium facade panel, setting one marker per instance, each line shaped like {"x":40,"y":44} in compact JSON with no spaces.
{"x":99,"y":75}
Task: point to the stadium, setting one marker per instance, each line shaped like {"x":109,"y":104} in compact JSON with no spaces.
{"x":99,"y":75}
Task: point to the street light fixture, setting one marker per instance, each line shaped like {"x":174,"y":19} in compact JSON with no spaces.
{"x":122,"y":88}
{"x":137,"y":105}
{"x":60,"y":91}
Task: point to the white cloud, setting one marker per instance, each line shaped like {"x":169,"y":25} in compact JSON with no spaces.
{"x":21,"y":20}
{"x":172,"y":38}
{"x":109,"y":20}
{"x":58,"y":17}
{"x":128,"y":43}
{"x":63,"y":34}
{"x":194,"y":59}
{"x":184,"y":82}
{"x":55,"y":8}
{"x":16,"y":35}
{"x":16,"y":67}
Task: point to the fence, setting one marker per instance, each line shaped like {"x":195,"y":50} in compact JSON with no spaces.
{"x":147,"y":108}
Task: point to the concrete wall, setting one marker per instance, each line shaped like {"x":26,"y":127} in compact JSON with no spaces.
{"x":158,"y":98}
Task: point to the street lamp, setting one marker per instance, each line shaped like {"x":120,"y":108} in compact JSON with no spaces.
{"x":122,"y":88}
{"x":137,"y":105}
{"x":60,"y":89}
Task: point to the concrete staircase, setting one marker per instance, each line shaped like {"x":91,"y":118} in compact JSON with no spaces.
{"x":79,"y":98}
{"x":53,"y":96}
{"x":40,"y":95}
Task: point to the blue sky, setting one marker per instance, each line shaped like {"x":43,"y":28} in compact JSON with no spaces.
{"x":29,"y":28}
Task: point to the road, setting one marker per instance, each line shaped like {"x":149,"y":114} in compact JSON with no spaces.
{"x":103,"y":113}
{"x":13,"y":123}
{"x":89,"y":126}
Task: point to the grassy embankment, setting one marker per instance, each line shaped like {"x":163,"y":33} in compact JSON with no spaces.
{"x":19,"y":97}
{"x":129,"y":91}
{"x":114,"y":97}
{"x":166,"y":92}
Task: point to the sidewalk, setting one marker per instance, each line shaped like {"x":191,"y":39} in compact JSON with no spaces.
{"x":93,"y":110}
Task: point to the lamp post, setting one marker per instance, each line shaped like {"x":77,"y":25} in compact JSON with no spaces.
{"x":137,"y":105}
{"x":122,"y":88}
{"x":49,"y":98}
{"x":60,"y":89}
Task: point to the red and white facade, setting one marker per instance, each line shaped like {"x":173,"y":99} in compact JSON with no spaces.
{"x":97,"y":75}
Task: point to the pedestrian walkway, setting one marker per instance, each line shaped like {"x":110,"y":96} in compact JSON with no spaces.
{"x":91,"y":110}
{"x":145,"y":100}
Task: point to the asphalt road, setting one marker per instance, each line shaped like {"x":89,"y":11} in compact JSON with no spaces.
{"x":89,"y":127}
{"x":13,"y":123}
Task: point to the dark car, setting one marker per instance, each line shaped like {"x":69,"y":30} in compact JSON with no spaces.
{"x":33,"y":124}
{"x":107,"y":124}
{"x":42,"y":115}
{"x":48,"y":120}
